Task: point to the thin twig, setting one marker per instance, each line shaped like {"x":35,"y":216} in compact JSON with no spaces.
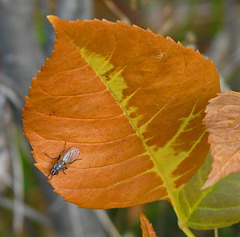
{"x":107,"y":223}
{"x":73,"y":213}
{"x":6,"y":178}
{"x":231,"y":25}
{"x":215,"y":232}
{"x":231,"y":62}
{"x":18,"y":186}
{"x":117,"y":12}
{"x":18,"y":183}
{"x":21,"y":56}
{"x":9,"y":90}
{"x":133,"y":5}
{"x":29,"y":212}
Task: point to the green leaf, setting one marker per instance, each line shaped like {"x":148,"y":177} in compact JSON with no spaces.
{"x":215,"y":207}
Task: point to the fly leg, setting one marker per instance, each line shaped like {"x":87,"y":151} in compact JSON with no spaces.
{"x":48,"y":176}
{"x":75,"y":160}
{"x":59,"y":155}
{"x":63,"y":149}
{"x":52,"y":157}
{"x":64,"y":168}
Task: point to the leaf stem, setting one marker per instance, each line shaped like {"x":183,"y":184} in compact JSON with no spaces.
{"x":183,"y":226}
{"x":181,"y":220}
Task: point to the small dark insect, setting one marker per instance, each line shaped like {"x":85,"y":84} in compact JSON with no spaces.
{"x":64,"y":159}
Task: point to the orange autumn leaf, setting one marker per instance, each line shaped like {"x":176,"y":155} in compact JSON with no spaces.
{"x":223,"y":124}
{"x":131,"y":101}
{"x":146,"y":226}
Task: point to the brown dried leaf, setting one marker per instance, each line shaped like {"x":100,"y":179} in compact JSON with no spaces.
{"x":146,"y":226}
{"x":222,"y":121}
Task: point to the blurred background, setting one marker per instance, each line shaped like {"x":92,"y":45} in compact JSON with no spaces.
{"x":28,"y":206}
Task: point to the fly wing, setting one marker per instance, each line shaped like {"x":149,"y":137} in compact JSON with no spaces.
{"x":71,"y":155}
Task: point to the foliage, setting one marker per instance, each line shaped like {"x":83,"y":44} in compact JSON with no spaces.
{"x":132,"y":102}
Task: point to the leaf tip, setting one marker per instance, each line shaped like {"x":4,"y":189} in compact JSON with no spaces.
{"x":142,"y":216}
{"x":53,"y":19}
{"x":169,"y":39}
{"x":198,"y":52}
{"x":211,"y":180}
{"x":205,"y":185}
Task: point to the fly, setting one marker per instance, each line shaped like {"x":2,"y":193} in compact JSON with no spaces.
{"x":64,"y":160}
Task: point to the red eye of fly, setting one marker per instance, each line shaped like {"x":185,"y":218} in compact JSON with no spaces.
{"x":53,"y":171}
